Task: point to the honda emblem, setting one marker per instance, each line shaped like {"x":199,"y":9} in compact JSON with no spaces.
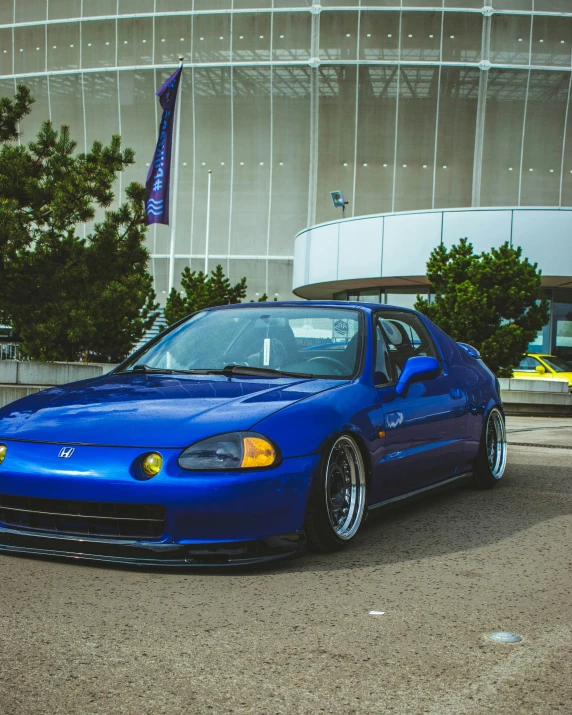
{"x":66,"y":452}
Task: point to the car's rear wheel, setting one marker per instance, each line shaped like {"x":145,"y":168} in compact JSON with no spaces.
{"x":490,"y":463}
{"x":337,"y":498}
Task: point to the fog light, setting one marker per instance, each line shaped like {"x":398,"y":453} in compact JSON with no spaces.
{"x":151,"y":464}
{"x":3,"y":450}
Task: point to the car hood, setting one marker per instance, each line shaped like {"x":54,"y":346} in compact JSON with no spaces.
{"x":151,"y":410}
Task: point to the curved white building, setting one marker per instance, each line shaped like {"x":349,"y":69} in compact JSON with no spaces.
{"x":404,"y":105}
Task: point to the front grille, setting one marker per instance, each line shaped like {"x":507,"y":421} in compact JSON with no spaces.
{"x":83,"y":518}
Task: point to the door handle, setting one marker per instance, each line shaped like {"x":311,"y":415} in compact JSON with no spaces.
{"x":455,"y":393}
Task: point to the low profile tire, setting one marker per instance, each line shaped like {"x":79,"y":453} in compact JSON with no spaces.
{"x":490,"y":463}
{"x":337,"y":497}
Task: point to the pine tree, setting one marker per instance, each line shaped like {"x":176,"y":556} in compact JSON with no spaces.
{"x":201,"y":292}
{"x":491,"y":301}
{"x":69,"y":297}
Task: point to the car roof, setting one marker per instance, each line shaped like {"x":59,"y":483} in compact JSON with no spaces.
{"x":540,"y":355}
{"x":343,"y":304}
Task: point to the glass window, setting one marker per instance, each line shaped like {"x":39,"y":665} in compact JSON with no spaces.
{"x":399,"y":336}
{"x":251,"y":185}
{"x":337,"y":91}
{"x":6,"y":51}
{"x":338,"y":35}
{"x":292,"y":36}
{"x":29,"y":49}
{"x":321,"y":342}
{"x":129,"y":7}
{"x":291,"y":87}
{"x":542,"y":155}
{"x":66,"y":108}
{"x":375,"y":142}
{"x":32,"y":124}
{"x":30,"y":10}
{"x":462,"y":36}
{"x":506,"y":93}
{"x":213,"y":129}
{"x":551,"y":40}
{"x":6,"y":13}
{"x":251,"y":37}
{"x":416,"y":137}
{"x":556,"y":363}
{"x":100,"y":90}
{"x":528,"y":363}
{"x":98,"y":44}
{"x":510,"y":39}
{"x":403,"y":298}
{"x":211,"y":38}
{"x":562,"y":317}
{"x":63,"y":9}
{"x":379,"y":36}
{"x":92,"y":8}
{"x":172,"y":38}
{"x":421,"y":36}
{"x":63,"y":46}
{"x":456,"y":136}
{"x":136,"y":41}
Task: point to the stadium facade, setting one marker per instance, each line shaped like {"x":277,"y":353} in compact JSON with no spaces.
{"x":411,"y":106}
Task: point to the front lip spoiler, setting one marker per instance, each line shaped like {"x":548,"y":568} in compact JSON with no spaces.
{"x":152,"y":555}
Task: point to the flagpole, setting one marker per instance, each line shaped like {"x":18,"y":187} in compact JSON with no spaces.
{"x":208,"y":223}
{"x":175,"y":183}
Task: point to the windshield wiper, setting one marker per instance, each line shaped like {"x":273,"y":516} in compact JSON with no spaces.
{"x":155,"y":370}
{"x":260,"y":371}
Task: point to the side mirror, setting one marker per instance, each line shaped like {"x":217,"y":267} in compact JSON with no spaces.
{"x":417,"y":369}
{"x":540,"y":369}
{"x":470,"y":350}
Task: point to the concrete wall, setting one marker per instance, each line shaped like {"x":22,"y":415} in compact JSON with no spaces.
{"x":14,"y":372}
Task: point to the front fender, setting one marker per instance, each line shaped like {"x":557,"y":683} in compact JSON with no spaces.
{"x":307,"y":426}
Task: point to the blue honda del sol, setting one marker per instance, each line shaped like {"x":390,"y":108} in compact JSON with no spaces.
{"x":246,"y":433}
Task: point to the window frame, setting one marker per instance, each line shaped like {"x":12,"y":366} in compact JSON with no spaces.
{"x":424,"y":331}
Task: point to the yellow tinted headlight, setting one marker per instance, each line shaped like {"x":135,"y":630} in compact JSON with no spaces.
{"x":257,"y":452}
{"x":151,"y":464}
{"x":3,"y":450}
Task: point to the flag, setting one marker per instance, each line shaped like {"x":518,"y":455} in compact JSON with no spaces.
{"x":159,"y":176}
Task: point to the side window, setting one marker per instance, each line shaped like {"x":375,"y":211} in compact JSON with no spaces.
{"x":400,"y":336}
{"x":528,"y":363}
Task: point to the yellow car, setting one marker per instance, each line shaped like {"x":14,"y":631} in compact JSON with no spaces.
{"x":534,"y":366}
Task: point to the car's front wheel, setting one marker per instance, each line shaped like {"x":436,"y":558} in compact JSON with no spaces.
{"x":337,"y":498}
{"x":490,"y":463}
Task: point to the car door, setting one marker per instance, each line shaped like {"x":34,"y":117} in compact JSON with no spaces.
{"x":526,"y":369}
{"x":425,"y":429}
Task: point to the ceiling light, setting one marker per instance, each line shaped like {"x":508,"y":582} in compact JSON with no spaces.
{"x":531,"y":169}
{"x":510,"y":168}
{"x":204,"y":163}
{"x":89,"y":43}
{"x":21,"y":50}
{"x":369,"y":34}
{"x":221,"y":38}
{"x":261,"y":163}
{"x":144,"y":41}
{"x":242,"y":163}
{"x":520,"y":39}
{"x":124,"y":42}
{"x":385,"y":167}
{"x":222,"y":163}
{"x":345,"y":163}
{"x":424,"y":166}
{"x":107,"y":43}
{"x":201,"y":38}
{"x":389,"y":35}
{"x":281,"y":37}
{"x":348,"y":35}
{"x":405,"y":166}
{"x":147,"y":164}
{"x":184,"y":163}
{"x":561,"y":42}
{"x":552,"y":171}
{"x":409,"y":35}
{"x":444,"y":166}
{"x":431,"y":36}
{"x":37,"y":48}
{"x":182,"y":39}
{"x":281,"y":163}
{"x":541,"y":40}
{"x":261,"y":37}
{"x":365,"y":164}
{"x":54,"y":47}
{"x":162,"y":39}
{"x":71,"y":45}
{"x":240,"y":38}
{"x":452,"y":37}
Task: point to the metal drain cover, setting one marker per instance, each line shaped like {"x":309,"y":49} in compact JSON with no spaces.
{"x":504,"y":637}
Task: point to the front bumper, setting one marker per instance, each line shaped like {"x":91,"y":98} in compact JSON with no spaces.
{"x":211,"y":519}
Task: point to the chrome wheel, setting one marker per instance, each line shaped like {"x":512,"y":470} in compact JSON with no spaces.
{"x":495,"y":443}
{"x":345,"y":487}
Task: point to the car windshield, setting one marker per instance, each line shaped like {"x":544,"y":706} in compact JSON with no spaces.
{"x":557,"y":364}
{"x":314,"y":342}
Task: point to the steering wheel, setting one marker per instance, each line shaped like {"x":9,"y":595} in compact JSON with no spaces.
{"x":338,"y":365}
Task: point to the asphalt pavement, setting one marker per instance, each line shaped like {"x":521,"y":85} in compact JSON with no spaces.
{"x":300,"y":637}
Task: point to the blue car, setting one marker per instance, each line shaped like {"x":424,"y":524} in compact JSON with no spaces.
{"x":246,"y":433}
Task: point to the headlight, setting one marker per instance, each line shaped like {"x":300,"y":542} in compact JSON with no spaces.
{"x":236,"y":450}
{"x":3,"y":450}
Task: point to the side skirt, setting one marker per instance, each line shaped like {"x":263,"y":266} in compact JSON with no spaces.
{"x":421,"y":492}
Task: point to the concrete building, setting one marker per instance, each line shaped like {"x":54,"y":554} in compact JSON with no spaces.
{"x":405,"y":105}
